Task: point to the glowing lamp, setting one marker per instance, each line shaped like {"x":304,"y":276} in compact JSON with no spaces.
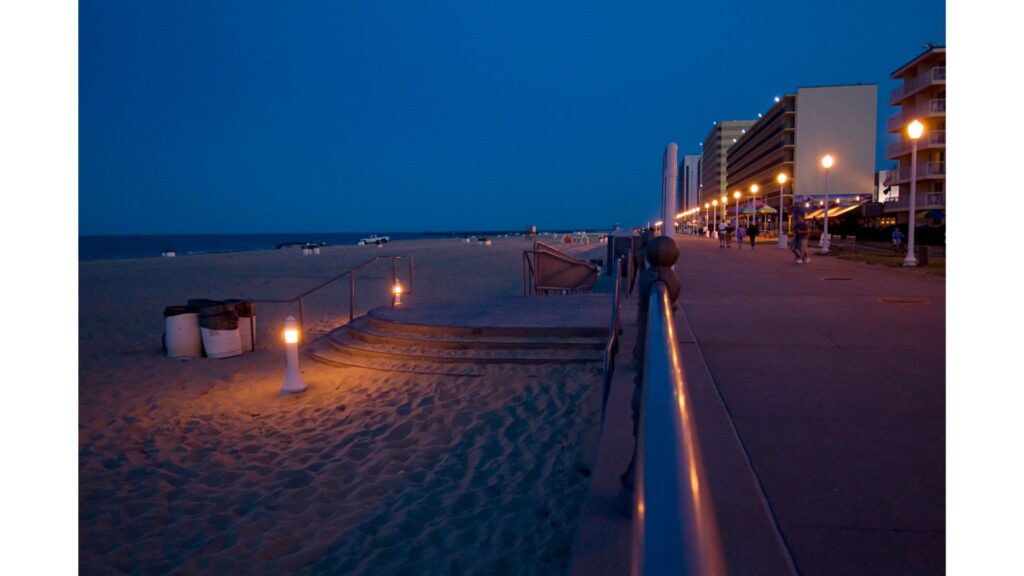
{"x":397,"y":292}
{"x":781,"y":178}
{"x":736,"y":194}
{"x":915,"y":129}
{"x":827,"y":161}
{"x":293,"y":381}
{"x":706,"y":205}
{"x":754,"y":188}
{"x":714,"y":203}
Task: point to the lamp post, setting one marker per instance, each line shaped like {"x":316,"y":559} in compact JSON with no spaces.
{"x":826,"y":163}
{"x":725,"y":207}
{"x":781,"y":178}
{"x":915,"y":130}
{"x":737,"y":195}
{"x":715,"y":204}
{"x":707,"y":233}
{"x":753,"y":203}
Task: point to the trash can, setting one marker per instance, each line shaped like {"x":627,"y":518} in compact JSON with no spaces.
{"x":246,"y":323}
{"x":218,"y":324}
{"x":181,"y":332}
{"x":923,"y":254}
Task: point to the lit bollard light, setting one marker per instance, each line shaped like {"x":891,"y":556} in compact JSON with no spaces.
{"x":396,"y":299}
{"x":293,"y":381}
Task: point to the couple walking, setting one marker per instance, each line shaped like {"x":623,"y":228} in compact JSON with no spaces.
{"x":725,"y":232}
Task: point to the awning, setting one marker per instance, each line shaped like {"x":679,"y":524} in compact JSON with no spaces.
{"x":833,"y":211}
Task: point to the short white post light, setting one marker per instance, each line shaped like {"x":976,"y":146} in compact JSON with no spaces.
{"x":396,"y":299}
{"x":293,"y":381}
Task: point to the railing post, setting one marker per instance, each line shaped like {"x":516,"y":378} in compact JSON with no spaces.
{"x":351,"y":296}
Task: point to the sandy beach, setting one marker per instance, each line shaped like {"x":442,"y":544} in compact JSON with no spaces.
{"x":199,"y":466}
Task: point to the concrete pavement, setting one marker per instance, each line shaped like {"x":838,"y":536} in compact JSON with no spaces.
{"x":833,"y":374}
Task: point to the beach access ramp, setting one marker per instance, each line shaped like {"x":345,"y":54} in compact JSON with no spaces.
{"x":547,"y":270}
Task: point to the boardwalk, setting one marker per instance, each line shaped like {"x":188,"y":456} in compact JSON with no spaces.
{"x":832,"y":374}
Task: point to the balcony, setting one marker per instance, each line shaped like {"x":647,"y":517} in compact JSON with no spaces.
{"x":927,"y":109}
{"x":935,"y":75}
{"x":936,"y":138}
{"x":925,"y":201}
{"x":925,"y":170}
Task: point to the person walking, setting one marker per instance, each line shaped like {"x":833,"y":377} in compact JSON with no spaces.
{"x":721,"y":233}
{"x":729,"y":231}
{"x":752,"y":233}
{"x":801,"y":237}
{"x":897,"y":240}
{"x":741,"y":231}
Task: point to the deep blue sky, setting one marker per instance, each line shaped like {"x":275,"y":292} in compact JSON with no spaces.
{"x":252,"y":116}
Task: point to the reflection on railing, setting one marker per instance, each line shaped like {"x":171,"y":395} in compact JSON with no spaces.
{"x":674,"y":526}
{"x":351,"y":273}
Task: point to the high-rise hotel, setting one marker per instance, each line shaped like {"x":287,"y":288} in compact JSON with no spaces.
{"x":794,"y":135}
{"x":922,"y":97}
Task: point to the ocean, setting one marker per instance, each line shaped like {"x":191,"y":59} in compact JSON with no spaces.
{"x":151,"y":246}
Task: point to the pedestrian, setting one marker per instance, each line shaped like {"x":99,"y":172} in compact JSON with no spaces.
{"x":729,"y":231}
{"x":752,"y":233}
{"x":721,"y":233}
{"x":741,"y":231}
{"x":897,"y":239}
{"x":801,"y":237}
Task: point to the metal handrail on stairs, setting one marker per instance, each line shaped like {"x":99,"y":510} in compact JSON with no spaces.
{"x":351,"y":273}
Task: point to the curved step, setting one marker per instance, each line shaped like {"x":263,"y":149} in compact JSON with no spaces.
{"x":321,"y":351}
{"x":344,"y":341}
{"x":381,"y":333}
{"x":489,"y":331}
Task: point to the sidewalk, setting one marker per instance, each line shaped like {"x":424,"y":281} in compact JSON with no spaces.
{"x":833,"y":373}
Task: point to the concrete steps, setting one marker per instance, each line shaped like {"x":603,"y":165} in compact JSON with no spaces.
{"x":424,"y":339}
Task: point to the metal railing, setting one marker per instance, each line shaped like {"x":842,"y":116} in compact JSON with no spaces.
{"x":351,"y":273}
{"x":612,"y":346}
{"x":928,"y":108}
{"x":904,"y":147}
{"x":674,"y":527}
{"x":531,"y":270}
{"x":911,"y":85}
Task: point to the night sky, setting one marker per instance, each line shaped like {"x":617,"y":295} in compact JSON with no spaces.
{"x":207,"y":117}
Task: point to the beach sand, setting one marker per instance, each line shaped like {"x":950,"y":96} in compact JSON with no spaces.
{"x":199,"y":466}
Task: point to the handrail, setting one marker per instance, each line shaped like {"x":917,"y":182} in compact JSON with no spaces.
{"x":612,"y":346}
{"x":529,"y":280}
{"x":351,"y":273}
{"x":674,"y":527}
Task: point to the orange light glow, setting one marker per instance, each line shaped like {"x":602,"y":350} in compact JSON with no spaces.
{"x":398,"y":290}
{"x":291,"y":336}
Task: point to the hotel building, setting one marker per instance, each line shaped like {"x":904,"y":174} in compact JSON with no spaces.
{"x":689,"y":181}
{"x":922,"y":96}
{"x":716,"y":146}
{"x":794,"y":134}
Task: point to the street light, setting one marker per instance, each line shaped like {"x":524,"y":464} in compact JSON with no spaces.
{"x":826,"y":163}
{"x":715,"y":204}
{"x":915,"y":130}
{"x":737,"y":195}
{"x":781,"y":178}
{"x":707,"y":233}
{"x":753,"y":203}
{"x":725,"y":207}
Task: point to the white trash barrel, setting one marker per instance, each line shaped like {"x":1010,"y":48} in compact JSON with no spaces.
{"x":246,"y":323}
{"x":218,"y":324}
{"x":181,"y":332}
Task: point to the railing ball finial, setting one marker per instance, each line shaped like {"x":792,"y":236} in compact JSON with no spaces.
{"x":662,"y":251}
